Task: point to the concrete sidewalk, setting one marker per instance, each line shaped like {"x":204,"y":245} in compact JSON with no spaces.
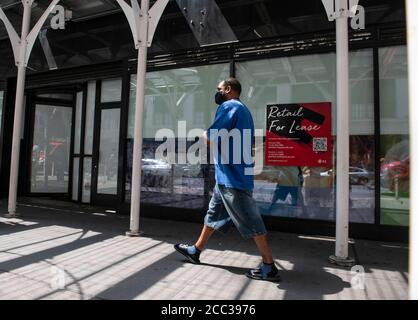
{"x":82,"y":253}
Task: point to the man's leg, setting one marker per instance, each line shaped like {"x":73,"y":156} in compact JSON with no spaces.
{"x":216,"y":219}
{"x":193,"y":252}
{"x":244,"y":213}
{"x":204,"y":237}
{"x":267,"y":270}
{"x":263,"y":247}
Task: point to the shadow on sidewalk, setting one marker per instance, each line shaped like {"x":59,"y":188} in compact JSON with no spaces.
{"x":307,"y":278}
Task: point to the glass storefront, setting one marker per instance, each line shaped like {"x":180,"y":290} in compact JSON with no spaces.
{"x":299,"y":192}
{"x":394,"y":146}
{"x":184,"y":94}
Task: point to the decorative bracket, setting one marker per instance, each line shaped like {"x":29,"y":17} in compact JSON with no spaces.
{"x":18,"y":44}
{"x":13,"y":36}
{"x":30,"y":40}
{"x":143,"y":30}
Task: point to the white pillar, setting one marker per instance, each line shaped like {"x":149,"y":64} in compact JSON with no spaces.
{"x":343,"y":144}
{"x":140,"y":101}
{"x":412,"y":21}
{"x":17,"y":127}
{"x":343,"y":135}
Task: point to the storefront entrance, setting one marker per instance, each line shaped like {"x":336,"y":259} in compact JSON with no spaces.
{"x":73,"y":149}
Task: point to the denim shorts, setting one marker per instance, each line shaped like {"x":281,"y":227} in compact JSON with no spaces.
{"x":229,"y":207}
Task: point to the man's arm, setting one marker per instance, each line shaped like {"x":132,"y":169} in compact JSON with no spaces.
{"x":205,"y":138}
{"x":223,"y":120}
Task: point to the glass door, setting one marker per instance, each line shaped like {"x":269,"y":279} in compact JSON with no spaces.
{"x":107,"y":156}
{"x":106,"y":186}
{"x":51,"y":149}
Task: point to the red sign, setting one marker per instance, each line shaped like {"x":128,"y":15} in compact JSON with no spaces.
{"x":299,"y":135}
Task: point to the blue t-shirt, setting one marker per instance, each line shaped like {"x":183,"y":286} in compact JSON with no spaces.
{"x":234,"y":164}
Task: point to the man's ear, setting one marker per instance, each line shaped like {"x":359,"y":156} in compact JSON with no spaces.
{"x":228,"y":89}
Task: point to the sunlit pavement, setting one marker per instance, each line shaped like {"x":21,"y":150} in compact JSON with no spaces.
{"x":73,"y":253}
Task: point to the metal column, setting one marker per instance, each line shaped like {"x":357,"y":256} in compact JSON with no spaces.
{"x":22,"y":48}
{"x":143,"y":23}
{"x":20,"y":91}
{"x":339,"y":10}
{"x":343,"y":143}
{"x":139,"y":111}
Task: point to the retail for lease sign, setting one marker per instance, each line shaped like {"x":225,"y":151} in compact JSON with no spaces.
{"x":299,"y":135}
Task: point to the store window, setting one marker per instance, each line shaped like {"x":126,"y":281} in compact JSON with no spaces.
{"x":309,"y":192}
{"x":394,"y":150}
{"x":185,"y":94}
{"x":111,"y":90}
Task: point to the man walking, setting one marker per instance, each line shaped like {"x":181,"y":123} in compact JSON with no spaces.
{"x":232,"y":202}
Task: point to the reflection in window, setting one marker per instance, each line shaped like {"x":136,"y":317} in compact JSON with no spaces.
{"x":307,"y":192}
{"x":51,"y":149}
{"x":394,"y":151}
{"x":107,"y":180}
{"x":86,"y":192}
{"x":185,"y":94}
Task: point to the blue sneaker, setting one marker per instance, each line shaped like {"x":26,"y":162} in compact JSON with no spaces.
{"x":258,"y":274}
{"x":193,"y":258}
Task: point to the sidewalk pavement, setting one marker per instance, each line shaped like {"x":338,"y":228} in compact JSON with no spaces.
{"x":67,"y":251}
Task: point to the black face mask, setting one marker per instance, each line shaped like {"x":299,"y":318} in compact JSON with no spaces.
{"x":220,"y":97}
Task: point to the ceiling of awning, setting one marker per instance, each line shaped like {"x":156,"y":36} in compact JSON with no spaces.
{"x":81,"y":9}
{"x":99,"y":32}
{"x":271,"y":16}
